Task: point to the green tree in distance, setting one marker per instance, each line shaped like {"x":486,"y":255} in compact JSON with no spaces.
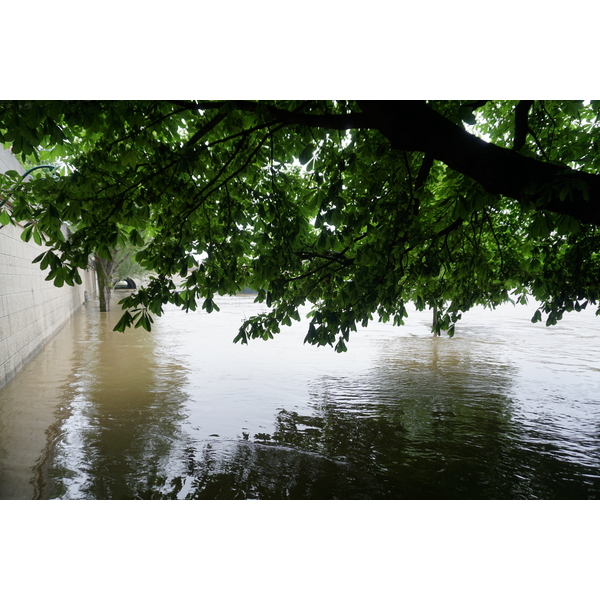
{"x":356,"y":208}
{"x":126,"y":267}
{"x":121,"y":265}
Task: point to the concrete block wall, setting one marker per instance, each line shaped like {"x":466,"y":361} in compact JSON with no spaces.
{"x":32,"y":310}
{"x":9,"y":163}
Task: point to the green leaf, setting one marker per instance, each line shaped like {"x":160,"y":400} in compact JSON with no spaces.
{"x":27,"y":233}
{"x":135,"y":238}
{"x":541,"y":226}
{"x":4,"y":218}
{"x":565,"y":191}
{"x":306,"y":154}
{"x":129,"y":159}
{"x":143,"y":321}
{"x":241,"y":337}
{"x":341,"y":346}
{"x":124,"y":322}
{"x":572,"y":108}
{"x":59,"y":278}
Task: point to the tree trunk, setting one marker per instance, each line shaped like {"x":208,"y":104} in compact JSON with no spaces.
{"x":104,"y":270}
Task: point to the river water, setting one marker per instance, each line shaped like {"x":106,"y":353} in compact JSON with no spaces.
{"x":505,"y":409}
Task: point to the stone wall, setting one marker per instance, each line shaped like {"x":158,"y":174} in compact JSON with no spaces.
{"x":32,"y":310}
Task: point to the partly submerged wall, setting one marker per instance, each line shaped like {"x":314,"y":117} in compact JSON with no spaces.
{"x":32,"y":310}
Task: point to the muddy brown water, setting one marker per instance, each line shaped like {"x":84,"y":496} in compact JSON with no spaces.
{"x":505,"y":409}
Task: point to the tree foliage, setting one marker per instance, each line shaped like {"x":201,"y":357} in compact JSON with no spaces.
{"x":356,"y":208}
{"x":125,"y":265}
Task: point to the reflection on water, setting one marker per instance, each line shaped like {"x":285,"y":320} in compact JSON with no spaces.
{"x":506,"y":409}
{"x":122,"y":418}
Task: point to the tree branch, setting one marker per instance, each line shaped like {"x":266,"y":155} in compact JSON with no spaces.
{"x":521,"y":126}
{"x":423,"y":171}
{"x":205,"y":129}
{"x":338,"y":122}
{"x":413,"y":125}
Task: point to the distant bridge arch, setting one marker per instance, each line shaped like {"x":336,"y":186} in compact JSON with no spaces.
{"x":126,"y":284}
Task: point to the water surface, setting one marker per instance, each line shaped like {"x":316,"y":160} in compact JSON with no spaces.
{"x":505,"y":409}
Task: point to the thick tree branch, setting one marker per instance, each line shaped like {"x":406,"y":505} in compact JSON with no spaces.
{"x":413,"y":125}
{"x":521,"y":125}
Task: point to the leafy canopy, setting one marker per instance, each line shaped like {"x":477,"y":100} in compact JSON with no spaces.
{"x":356,"y":208}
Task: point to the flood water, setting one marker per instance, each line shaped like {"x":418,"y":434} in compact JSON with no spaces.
{"x":505,"y":409}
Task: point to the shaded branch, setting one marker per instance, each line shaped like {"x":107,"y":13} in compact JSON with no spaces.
{"x":338,"y":122}
{"x":413,"y":125}
{"x":205,"y":129}
{"x":521,"y":125}
{"x":424,"y":171}
{"x":451,"y":227}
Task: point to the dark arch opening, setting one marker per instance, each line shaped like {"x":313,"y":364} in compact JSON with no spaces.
{"x":125,"y":284}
